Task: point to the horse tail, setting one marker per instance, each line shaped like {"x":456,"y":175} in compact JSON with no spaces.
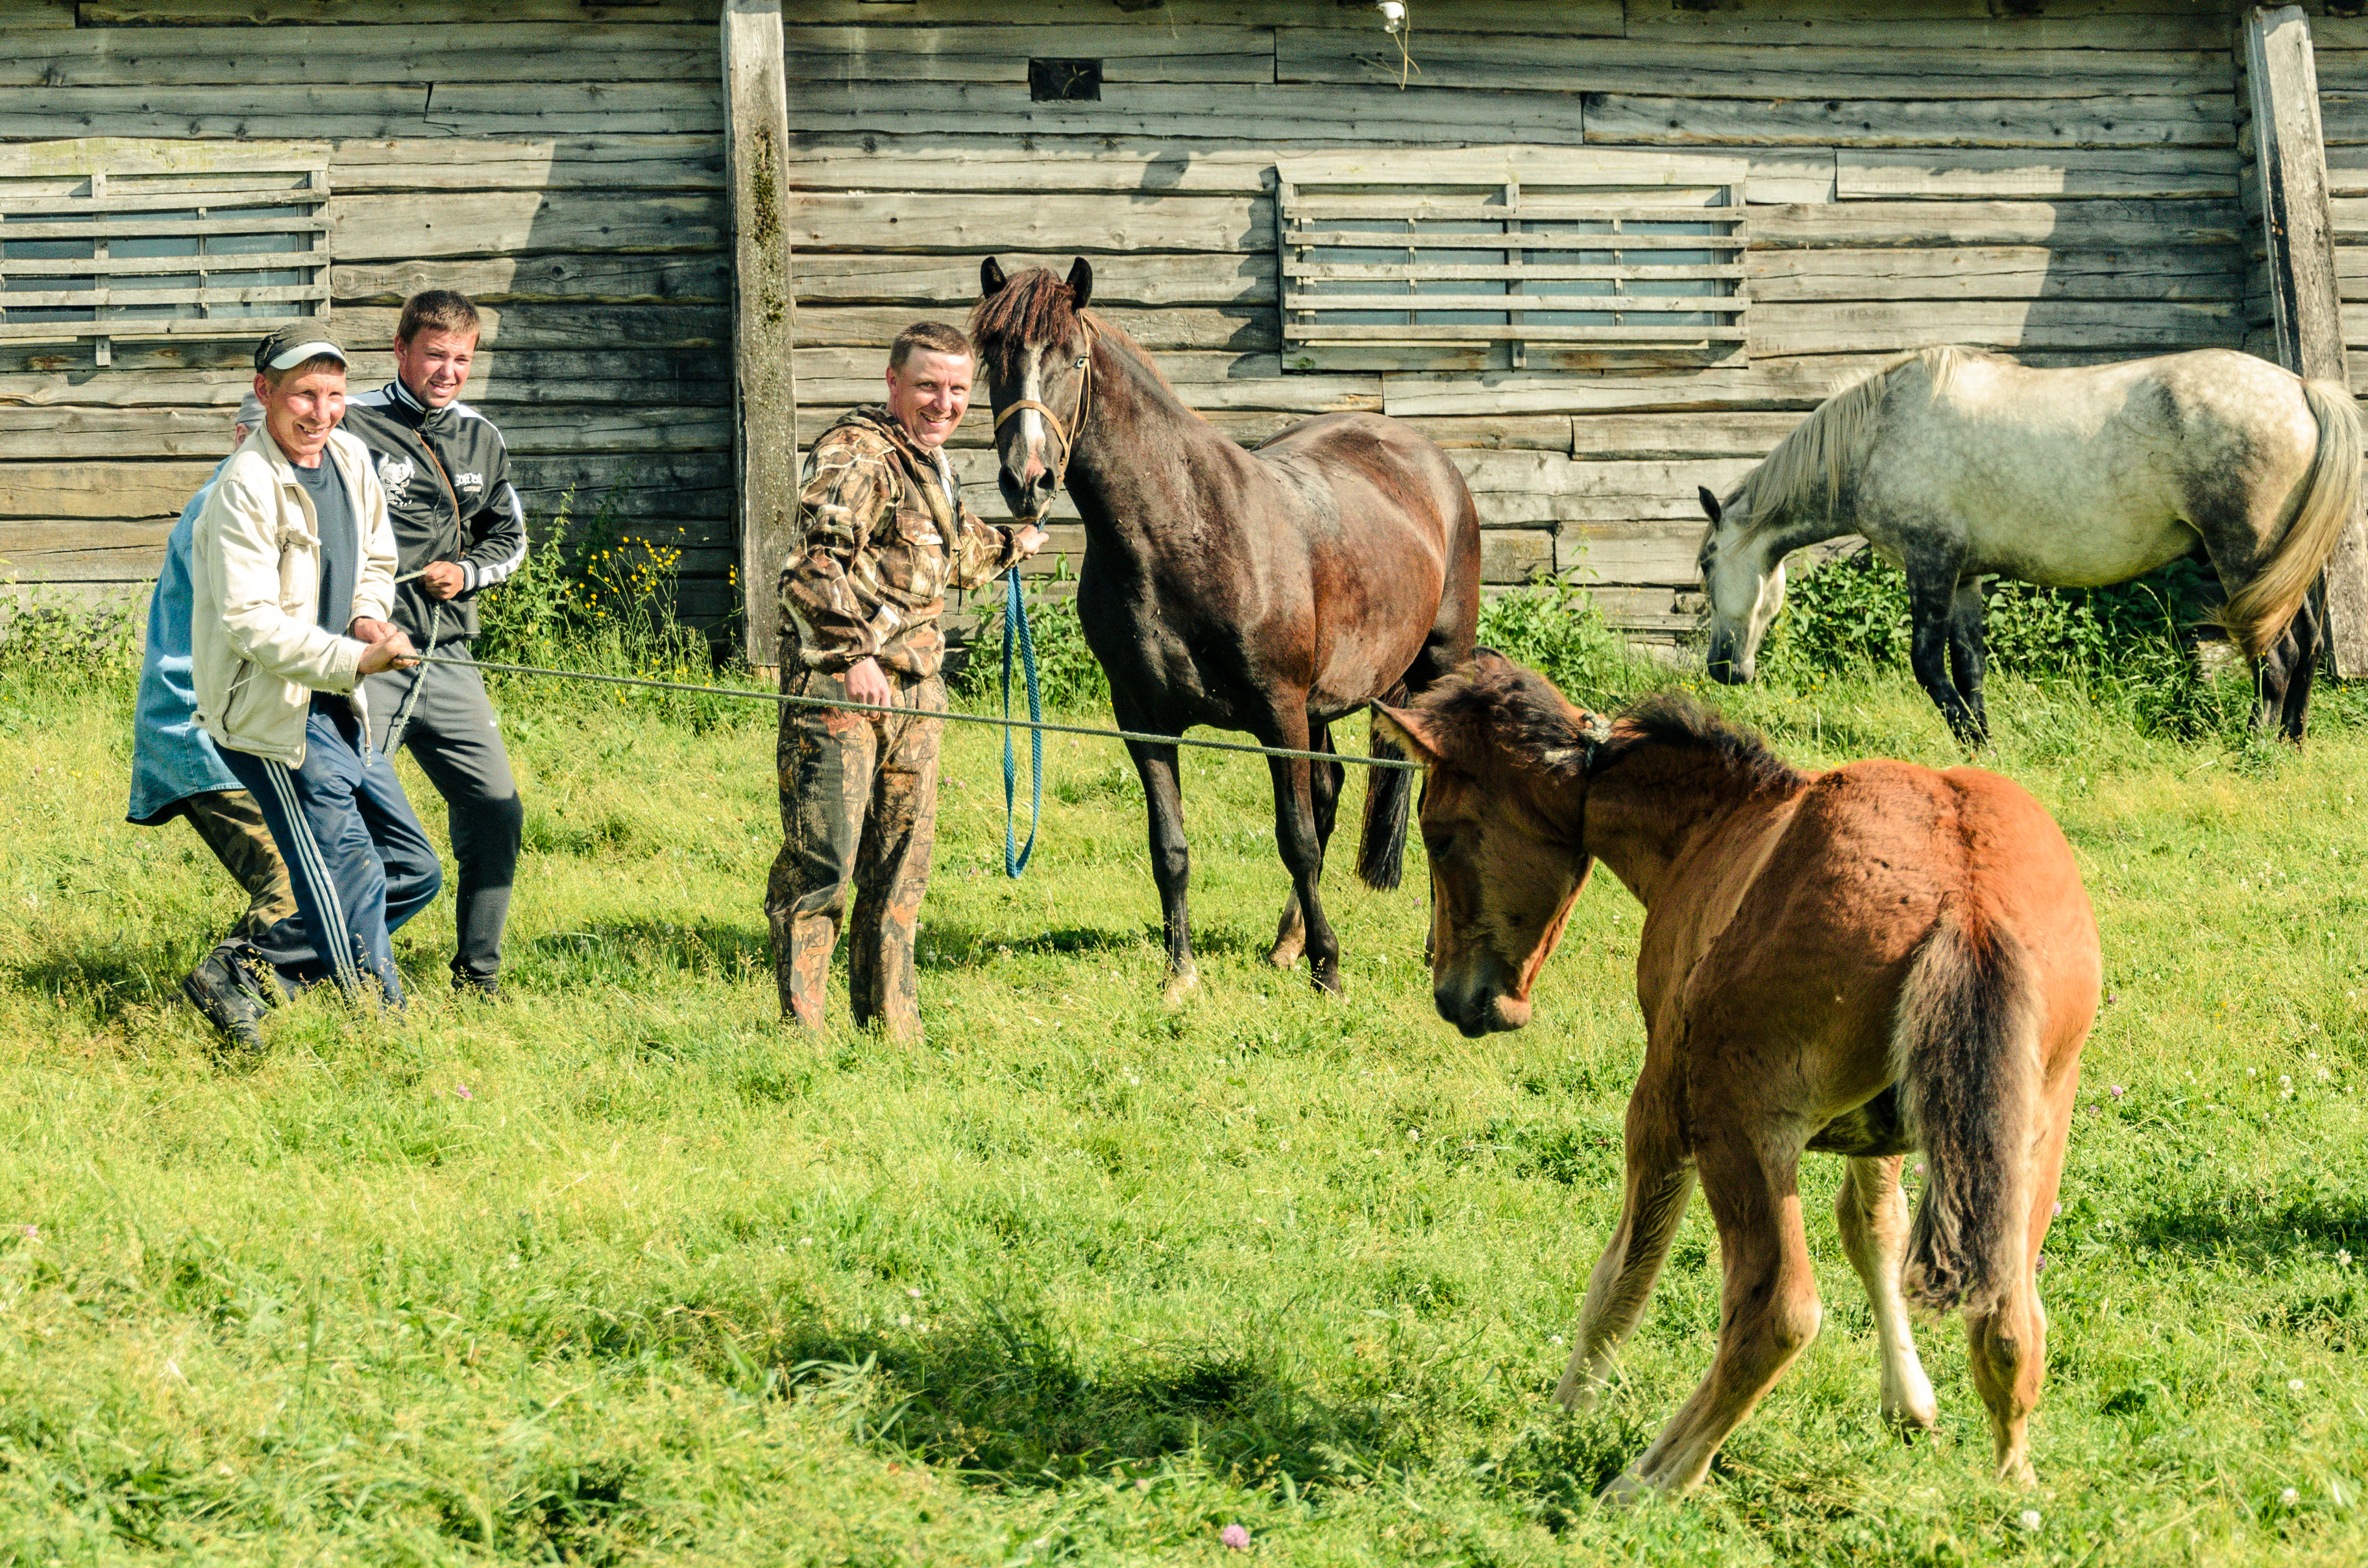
{"x":1966,"y":1047}
{"x":1389,"y":802}
{"x":2256,"y":613}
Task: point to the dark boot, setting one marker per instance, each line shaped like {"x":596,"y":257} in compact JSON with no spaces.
{"x":214,"y":988}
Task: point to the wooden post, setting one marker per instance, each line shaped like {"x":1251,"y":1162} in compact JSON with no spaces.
{"x":2297,"y":231}
{"x":756,"y":132}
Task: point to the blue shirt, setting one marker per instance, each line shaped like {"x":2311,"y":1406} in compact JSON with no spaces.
{"x":172,"y":758}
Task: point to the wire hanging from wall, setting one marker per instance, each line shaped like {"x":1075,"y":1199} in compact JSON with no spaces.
{"x":1397,"y":23}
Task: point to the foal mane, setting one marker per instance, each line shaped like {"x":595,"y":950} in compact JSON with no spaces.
{"x":1830,"y":444}
{"x":1037,"y":306}
{"x":1494,"y":708}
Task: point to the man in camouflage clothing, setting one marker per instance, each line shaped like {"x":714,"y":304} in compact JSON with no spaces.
{"x":885,"y":535}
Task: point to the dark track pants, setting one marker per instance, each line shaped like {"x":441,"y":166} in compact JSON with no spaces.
{"x":357,"y":859}
{"x":457,"y":741}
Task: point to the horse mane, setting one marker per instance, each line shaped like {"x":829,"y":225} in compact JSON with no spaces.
{"x":1673,"y":719}
{"x":1835,"y":439}
{"x":1035,"y":306}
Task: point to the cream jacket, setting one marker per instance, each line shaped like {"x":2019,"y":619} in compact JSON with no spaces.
{"x":257,"y":651}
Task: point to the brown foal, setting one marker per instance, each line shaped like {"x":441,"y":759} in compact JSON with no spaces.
{"x":1866,"y":962}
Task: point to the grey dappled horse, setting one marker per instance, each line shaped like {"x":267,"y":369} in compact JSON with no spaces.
{"x":1958,"y":465}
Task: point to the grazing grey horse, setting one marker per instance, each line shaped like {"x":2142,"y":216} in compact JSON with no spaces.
{"x":1958,"y":465}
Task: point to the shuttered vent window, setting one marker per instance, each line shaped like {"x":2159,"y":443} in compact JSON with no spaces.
{"x":1510,"y":260}
{"x":160,"y":252}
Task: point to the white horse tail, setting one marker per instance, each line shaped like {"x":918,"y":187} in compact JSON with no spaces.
{"x":2256,"y":614}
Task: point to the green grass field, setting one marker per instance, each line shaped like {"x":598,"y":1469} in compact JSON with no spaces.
{"x":616,"y":1271}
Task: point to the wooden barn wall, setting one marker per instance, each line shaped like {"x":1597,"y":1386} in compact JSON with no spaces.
{"x":564,"y":166}
{"x":2062,"y":185}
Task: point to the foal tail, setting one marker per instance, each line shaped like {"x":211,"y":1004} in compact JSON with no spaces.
{"x":2256,"y":613}
{"x":1389,"y":801}
{"x":1966,"y":1048}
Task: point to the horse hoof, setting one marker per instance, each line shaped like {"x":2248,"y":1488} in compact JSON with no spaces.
{"x":1626,"y":1489}
{"x":1327,"y":979}
{"x":1282,"y":955}
{"x":1180,"y":987}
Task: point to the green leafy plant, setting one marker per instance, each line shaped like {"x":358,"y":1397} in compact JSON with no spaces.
{"x":1551,"y":625}
{"x":1067,"y":675}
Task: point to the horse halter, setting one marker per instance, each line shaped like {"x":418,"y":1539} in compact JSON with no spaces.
{"x":1085,"y":367}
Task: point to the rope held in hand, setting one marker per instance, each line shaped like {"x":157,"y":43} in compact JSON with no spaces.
{"x":786,"y":700}
{"x":1015,"y":630}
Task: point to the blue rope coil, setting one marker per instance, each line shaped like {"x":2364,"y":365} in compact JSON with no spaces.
{"x":1015,"y":630}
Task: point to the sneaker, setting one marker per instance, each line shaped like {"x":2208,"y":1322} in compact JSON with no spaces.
{"x":213,"y":989}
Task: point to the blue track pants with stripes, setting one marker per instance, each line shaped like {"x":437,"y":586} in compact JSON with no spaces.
{"x":357,"y":859}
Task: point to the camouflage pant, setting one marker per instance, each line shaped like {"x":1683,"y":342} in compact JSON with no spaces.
{"x":859,"y":805}
{"x":234,"y":830}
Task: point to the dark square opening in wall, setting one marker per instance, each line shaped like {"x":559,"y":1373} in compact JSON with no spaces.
{"x":1064,"y":81}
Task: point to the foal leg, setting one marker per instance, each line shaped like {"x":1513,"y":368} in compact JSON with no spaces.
{"x":2009,"y":1344}
{"x":1291,"y":932}
{"x":1872,"y":1213}
{"x":1171,"y":862}
{"x":1931,"y":608}
{"x":1302,"y":849}
{"x":1769,"y":1310}
{"x":2302,"y":643}
{"x":1660,"y":1179}
{"x":1969,"y":649}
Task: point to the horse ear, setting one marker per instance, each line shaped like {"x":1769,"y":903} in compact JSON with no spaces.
{"x":990,"y":278}
{"x":1710,"y":505}
{"x":1410,"y":731}
{"x":1081,"y":281}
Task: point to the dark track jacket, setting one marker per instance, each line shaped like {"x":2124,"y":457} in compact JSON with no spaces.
{"x":447,"y":474}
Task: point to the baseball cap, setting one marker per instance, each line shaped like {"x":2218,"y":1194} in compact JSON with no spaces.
{"x":293,"y":344}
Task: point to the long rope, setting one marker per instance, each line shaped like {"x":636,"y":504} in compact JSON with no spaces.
{"x":786,"y":700}
{"x":1015,"y":629}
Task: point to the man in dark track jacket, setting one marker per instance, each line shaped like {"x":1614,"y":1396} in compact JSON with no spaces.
{"x":459,"y":529}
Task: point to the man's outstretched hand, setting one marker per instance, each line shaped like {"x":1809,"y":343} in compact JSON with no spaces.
{"x":390,"y":646}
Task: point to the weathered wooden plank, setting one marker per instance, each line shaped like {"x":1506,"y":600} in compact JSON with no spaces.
{"x":2298,"y":234}
{"x":379,"y":13}
{"x":1515,"y":164}
{"x":2082,"y":224}
{"x":981,"y":165}
{"x":1998,"y":272}
{"x":1631,"y":556}
{"x":504,"y":280}
{"x":283,"y":112}
{"x":764,"y":312}
{"x":83,"y":551}
{"x":1712,"y":67}
{"x":2100,"y":25}
{"x":456,"y":51}
{"x":1603,"y":437}
{"x":1786,"y":328}
{"x":602,"y":163}
{"x":88,"y":490}
{"x":1200,"y":52}
{"x":1766,"y":383}
{"x":1223,"y":279}
{"x":2113,"y":121}
{"x":509,"y":223}
{"x":968,"y":225}
{"x":593,"y":473}
{"x":540,"y":326}
{"x":1958,"y":174}
{"x":1242,"y":382}
{"x":61,"y":433}
{"x":72,"y":158}
{"x":1241,"y":329}
{"x":146,"y":374}
{"x":29,"y":16}
{"x":515,"y":108}
{"x":1597,"y":19}
{"x":1234,"y":113}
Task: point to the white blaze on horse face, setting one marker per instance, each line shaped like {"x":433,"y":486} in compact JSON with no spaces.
{"x":1745,"y":593}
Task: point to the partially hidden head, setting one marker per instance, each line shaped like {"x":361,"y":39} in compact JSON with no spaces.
{"x":1743,"y":577}
{"x":300,"y":380}
{"x":1504,"y":825}
{"x":1035,"y":345}
{"x":435,"y":344}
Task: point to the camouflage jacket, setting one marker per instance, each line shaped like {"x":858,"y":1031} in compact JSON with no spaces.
{"x":880,"y":544}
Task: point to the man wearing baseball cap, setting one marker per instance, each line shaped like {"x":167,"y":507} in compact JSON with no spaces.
{"x":293,"y":576}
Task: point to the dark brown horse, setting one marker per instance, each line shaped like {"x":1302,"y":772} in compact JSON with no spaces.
{"x":1866,"y":962}
{"x":1273,"y":591}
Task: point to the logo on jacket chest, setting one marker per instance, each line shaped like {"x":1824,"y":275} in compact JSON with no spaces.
{"x":394,"y":474}
{"x":466,"y":480}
